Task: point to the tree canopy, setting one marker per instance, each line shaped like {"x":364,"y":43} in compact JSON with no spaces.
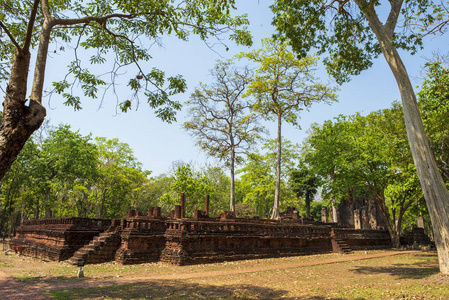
{"x":283,"y":86}
{"x":355,"y":32}
{"x":116,"y":36}
{"x":221,"y":121}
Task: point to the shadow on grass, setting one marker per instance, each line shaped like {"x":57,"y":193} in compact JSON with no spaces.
{"x":418,"y":269}
{"x":47,"y":279}
{"x":177,"y":290}
{"x":402,"y":272}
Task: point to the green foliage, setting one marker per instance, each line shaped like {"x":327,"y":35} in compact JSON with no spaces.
{"x":63,"y":173}
{"x":116,"y":34}
{"x":341,"y":29}
{"x":258,"y":180}
{"x":284,"y":85}
{"x":433,"y":102}
{"x":220,"y":188}
{"x":120,"y":181}
{"x":193,"y":184}
{"x":315,"y":210}
{"x":366,"y":156}
{"x":305,"y":184}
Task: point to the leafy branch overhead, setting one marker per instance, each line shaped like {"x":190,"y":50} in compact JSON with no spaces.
{"x":354,"y":33}
{"x":118,"y":34}
{"x":341,"y":30}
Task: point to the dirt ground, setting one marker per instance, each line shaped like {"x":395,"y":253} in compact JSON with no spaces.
{"x":385,"y":275}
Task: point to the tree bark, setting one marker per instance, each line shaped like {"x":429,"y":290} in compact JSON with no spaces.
{"x":334,"y":201}
{"x":380,"y":200}
{"x":48,"y":212}
{"x":275,"y":213}
{"x":308,"y":206}
{"x":19,"y":120}
{"x":232,"y":200}
{"x":103,"y":200}
{"x":434,"y":189}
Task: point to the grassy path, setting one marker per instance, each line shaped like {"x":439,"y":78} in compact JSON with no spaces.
{"x":92,"y":283}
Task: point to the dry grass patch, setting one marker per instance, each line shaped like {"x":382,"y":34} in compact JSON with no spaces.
{"x":410,"y":276}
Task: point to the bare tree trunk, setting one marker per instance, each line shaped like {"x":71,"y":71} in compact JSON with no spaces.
{"x":103,"y":200}
{"x":307,"y":207}
{"x":232,"y":200}
{"x":48,"y":212}
{"x":398,"y":229}
{"x":380,"y":200}
{"x":434,"y":189}
{"x":334,"y":208}
{"x":275,"y":213}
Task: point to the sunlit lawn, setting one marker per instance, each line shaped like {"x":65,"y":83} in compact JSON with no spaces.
{"x":396,"y":277}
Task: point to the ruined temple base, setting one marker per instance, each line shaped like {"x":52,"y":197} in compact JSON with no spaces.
{"x":183,"y":241}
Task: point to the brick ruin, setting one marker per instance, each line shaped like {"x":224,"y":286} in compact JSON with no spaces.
{"x":181,"y":240}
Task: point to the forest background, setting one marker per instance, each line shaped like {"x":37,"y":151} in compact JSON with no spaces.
{"x":64,"y":170}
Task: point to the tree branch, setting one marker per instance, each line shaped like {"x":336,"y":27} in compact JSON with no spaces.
{"x":11,"y":37}
{"x":438,"y":27}
{"x":87,"y":20}
{"x":26,"y":46}
{"x":392,"y":20}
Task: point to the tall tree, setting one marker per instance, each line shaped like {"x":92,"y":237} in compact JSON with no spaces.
{"x":118,"y":32}
{"x":65,"y":157}
{"x":434,"y":106}
{"x":358,"y":35}
{"x":192,"y":183}
{"x":283,"y":86}
{"x":367,"y":155}
{"x":305,"y":184}
{"x":220,"y":120}
{"x":116,"y":170}
{"x":17,"y":185}
{"x":259,"y":176}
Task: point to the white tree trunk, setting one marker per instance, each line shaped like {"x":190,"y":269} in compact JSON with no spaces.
{"x":275,"y":213}
{"x":232,"y":201}
{"x":434,"y":189}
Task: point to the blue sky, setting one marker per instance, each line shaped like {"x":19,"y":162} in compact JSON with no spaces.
{"x":157,"y":144}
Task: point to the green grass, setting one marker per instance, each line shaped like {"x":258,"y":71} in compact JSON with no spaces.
{"x":410,"y":276}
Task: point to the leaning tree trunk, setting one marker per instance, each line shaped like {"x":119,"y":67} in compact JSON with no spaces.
{"x":275,"y":213}
{"x":434,"y":189}
{"x":19,"y":120}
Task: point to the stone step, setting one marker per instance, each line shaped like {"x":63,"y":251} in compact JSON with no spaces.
{"x":97,"y":243}
{"x":99,"y":249}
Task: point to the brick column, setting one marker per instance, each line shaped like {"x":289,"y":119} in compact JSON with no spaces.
{"x":206,"y":205}
{"x":178,"y":212}
{"x":157,"y":212}
{"x":183,"y":205}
